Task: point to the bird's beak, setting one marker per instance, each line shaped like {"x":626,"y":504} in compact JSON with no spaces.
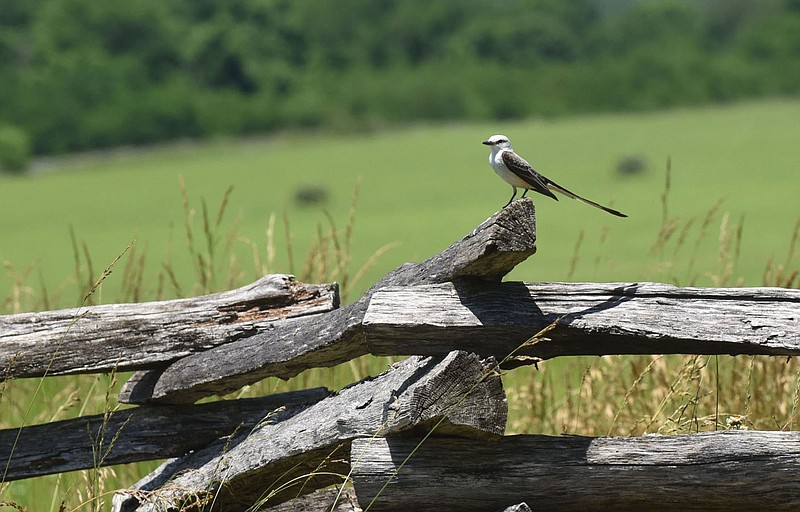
{"x":488,"y":143}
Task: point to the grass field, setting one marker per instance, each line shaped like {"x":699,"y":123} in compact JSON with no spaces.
{"x":731,"y":208}
{"x":424,"y":187}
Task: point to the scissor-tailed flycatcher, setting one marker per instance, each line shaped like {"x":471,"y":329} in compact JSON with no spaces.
{"x":520,"y":174}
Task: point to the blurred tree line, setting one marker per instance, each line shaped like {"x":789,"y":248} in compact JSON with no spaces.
{"x":77,"y":74}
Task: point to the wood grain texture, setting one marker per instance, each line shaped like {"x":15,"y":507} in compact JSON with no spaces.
{"x":96,"y":339}
{"x":590,"y":319}
{"x":323,"y":500}
{"x":488,"y":252}
{"x":313,"y":446}
{"x":701,"y":472}
{"x":138,"y":434}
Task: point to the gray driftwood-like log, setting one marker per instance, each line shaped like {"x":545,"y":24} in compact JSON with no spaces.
{"x":311,"y":449}
{"x":588,"y":319}
{"x":701,"y":472}
{"x":489,"y":252}
{"x":96,"y":339}
{"x":138,"y":434}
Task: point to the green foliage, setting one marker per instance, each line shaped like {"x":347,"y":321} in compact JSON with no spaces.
{"x":15,"y":149}
{"x":772,"y":48}
{"x":82,"y":74}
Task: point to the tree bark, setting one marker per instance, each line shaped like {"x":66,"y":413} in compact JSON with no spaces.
{"x":138,"y":434}
{"x":489,"y":252}
{"x":704,"y":472}
{"x":310,"y":450}
{"x":587,"y":318}
{"x":95,"y":339}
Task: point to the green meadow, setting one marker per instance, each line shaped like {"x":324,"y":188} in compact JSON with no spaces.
{"x":717,"y":205}
{"x":420,"y":188}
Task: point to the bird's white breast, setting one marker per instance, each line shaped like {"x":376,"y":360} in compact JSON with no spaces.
{"x":499,"y":167}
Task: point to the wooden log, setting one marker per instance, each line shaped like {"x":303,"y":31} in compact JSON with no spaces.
{"x":138,"y":434}
{"x":590,"y":319}
{"x":96,"y":339}
{"x":324,"y":500}
{"x":704,"y":472}
{"x":489,"y":252}
{"x":460,"y":393}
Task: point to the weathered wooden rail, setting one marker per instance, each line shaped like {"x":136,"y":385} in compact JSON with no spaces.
{"x":141,"y":433}
{"x":457,"y":320}
{"x":587,"y":318}
{"x":746,"y":470}
{"x":121,"y":337}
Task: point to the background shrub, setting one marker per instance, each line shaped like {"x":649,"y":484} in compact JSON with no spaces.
{"x":15,"y":149}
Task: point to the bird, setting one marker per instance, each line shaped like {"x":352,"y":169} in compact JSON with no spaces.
{"x":518,"y":173}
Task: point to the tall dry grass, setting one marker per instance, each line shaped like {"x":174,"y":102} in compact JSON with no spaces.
{"x":668,"y":394}
{"x":210,"y":242}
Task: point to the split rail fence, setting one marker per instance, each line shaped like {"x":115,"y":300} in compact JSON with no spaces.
{"x":427,"y":434}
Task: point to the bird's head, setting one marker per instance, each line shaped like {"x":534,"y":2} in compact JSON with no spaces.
{"x":498,"y":142}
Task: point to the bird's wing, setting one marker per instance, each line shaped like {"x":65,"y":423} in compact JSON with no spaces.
{"x":526,"y":173}
{"x":555,"y":186}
